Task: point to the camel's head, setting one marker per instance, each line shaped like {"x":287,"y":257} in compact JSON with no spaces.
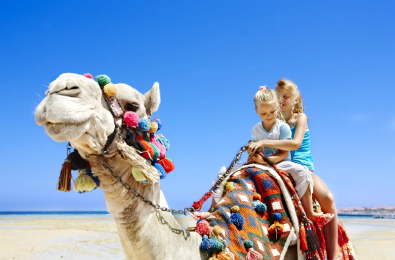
{"x":74,"y":110}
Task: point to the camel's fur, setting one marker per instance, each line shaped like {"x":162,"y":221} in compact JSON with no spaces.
{"x":75,"y":111}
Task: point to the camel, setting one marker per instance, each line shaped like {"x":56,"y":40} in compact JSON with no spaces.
{"x":74,"y":110}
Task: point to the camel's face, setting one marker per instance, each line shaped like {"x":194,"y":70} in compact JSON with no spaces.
{"x":74,"y":108}
{"x":70,"y":102}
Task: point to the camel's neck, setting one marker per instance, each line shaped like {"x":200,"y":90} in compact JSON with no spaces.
{"x":145,"y":232}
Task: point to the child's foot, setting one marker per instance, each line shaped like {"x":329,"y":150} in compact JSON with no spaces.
{"x":201,"y":215}
{"x":323,"y":219}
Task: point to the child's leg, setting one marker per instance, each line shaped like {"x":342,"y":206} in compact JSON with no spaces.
{"x":327,"y":202}
{"x":307,"y":203}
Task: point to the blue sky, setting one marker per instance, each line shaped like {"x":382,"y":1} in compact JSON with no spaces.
{"x":209,"y":57}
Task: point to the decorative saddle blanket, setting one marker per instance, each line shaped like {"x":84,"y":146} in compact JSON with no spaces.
{"x":268,"y":219}
{"x":257,"y":225}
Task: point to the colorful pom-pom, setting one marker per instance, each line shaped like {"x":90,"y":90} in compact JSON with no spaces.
{"x":217,"y":245}
{"x":276,"y":230}
{"x":88,"y":75}
{"x":248,"y":244}
{"x":103,"y":80}
{"x":203,"y":228}
{"x":277,"y":216}
{"x":160,"y":170}
{"x":228,"y":186}
{"x":84,"y":183}
{"x":131,"y":119}
{"x":144,"y":124}
{"x":235,"y":209}
{"x":259,"y":206}
{"x":257,"y":196}
{"x":167,"y":165}
{"x":156,"y":151}
{"x":149,"y":151}
{"x":206,"y":245}
{"x":161,"y":147}
{"x":217,"y":230}
{"x":237,"y":220}
{"x":158,"y":122}
{"x":138,"y":175}
{"x":161,"y":139}
{"x":153,"y":127}
{"x":110,"y":90}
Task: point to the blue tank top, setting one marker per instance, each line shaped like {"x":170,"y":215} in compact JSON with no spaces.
{"x":303,"y":154}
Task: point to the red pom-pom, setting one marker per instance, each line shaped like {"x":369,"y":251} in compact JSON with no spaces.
{"x":167,"y":165}
{"x":88,"y":75}
{"x":203,"y":228}
{"x":149,"y":151}
{"x":256,"y":196}
{"x":131,"y":119}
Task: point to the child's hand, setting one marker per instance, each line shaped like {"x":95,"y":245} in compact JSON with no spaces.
{"x":253,"y":146}
{"x":255,"y":158}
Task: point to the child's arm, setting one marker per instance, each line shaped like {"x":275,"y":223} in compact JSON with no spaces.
{"x":281,"y":156}
{"x":287,"y":145}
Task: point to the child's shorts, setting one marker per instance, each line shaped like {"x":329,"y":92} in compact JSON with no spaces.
{"x":301,"y":174}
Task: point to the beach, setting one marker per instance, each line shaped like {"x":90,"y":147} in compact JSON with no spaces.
{"x":94,"y":236}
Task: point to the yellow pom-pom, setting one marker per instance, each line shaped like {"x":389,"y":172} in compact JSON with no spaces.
{"x":228,"y":186}
{"x":217,"y":230}
{"x":137,"y":175}
{"x":153,"y":127}
{"x":110,"y":90}
{"x":84,"y":183}
{"x":235,"y":209}
{"x":256,"y":196}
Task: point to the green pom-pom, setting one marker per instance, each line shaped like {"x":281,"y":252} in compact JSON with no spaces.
{"x":248,"y":244}
{"x":103,"y":80}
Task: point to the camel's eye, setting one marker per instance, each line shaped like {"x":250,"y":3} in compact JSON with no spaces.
{"x":131,"y":107}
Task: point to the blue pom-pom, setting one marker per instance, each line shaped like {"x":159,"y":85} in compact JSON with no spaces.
{"x":144,"y":124}
{"x":259,"y":206}
{"x":237,"y":220}
{"x":160,"y":169}
{"x":277,"y":216}
{"x":206,"y":245}
{"x":161,"y":139}
{"x":159,"y":123}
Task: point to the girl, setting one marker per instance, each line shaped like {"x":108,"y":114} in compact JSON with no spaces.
{"x":292,"y":110}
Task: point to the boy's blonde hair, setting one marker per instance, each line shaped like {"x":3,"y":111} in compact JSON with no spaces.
{"x":291,"y":86}
{"x":264,"y":94}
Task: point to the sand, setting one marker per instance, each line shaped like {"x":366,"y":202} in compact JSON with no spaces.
{"x":49,"y":237}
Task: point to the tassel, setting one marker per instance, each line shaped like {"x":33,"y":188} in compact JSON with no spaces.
{"x":138,"y":176}
{"x":64,"y":182}
{"x":197,"y":205}
{"x":302,"y":238}
{"x":236,"y":218}
{"x":223,"y":256}
{"x":203,"y":228}
{"x":76,"y":161}
{"x":156,"y":151}
{"x":132,"y":141}
{"x":321,"y":237}
{"x":84,"y":182}
{"x":252,"y":254}
{"x":312,"y":240}
{"x":341,"y":233}
{"x":167,"y":165}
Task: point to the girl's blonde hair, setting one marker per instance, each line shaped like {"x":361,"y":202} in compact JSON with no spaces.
{"x":266,"y":95}
{"x":291,"y":86}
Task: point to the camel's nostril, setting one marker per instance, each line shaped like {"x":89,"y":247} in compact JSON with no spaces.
{"x":75,"y":87}
{"x":70,"y":92}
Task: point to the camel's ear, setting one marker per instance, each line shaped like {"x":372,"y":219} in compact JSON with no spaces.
{"x":152,"y":99}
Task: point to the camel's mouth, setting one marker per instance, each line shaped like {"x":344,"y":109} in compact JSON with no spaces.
{"x":62,"y":132}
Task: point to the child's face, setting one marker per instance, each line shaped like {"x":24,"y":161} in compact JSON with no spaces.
{"x":288,"y":101}
{"x":267,"y":111}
